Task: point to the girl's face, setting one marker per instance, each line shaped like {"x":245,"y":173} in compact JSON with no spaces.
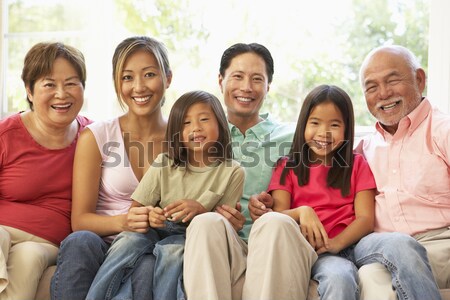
{"x":200,"y":130}
{"x":58,"y":97}
{"x":325,"y":131}
{"x":245,"y":85}
{"x":142,"y":83}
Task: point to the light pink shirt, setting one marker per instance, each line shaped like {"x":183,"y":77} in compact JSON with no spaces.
{"x":412,"y":173}
{"x":118,"y":180}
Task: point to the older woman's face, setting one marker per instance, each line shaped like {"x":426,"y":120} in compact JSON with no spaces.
{"x":58,"y":97}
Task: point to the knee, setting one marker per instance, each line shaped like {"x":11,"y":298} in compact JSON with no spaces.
{"x":29,"y":255}
{"x":82,"y":241}
{"x":207,"y":224}
{"x":275,"y":223}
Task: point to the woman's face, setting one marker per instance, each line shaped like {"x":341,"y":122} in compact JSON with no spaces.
{"x":58,"y":97}
{"x":142,"y":83}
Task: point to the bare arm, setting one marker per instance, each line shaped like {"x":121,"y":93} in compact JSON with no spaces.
{"x":310,"y":225}
{"x":361,"y":226}
{"x":85,"y":190}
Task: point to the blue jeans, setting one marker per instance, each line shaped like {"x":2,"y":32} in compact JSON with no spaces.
{"x":125,"y":254}
{"x":404,"y":258}
{"x":80,"y":256}
{"x":337,"y":276}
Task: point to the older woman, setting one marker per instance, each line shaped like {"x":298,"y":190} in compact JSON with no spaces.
{"x":36,"y":156}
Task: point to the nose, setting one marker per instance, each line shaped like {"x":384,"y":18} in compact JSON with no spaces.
{"x":138,"y":85}
{"x":385,"y":91}
{"x":246,"y":85}
{"x":60,"y":92}
{"x":324,"y":131}
{"x":196,"y":126}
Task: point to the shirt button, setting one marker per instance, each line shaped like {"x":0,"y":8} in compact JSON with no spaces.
{"x":394,"y":171}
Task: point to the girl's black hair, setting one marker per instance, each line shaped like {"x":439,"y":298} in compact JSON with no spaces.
{"x":339,"y":176}
{"x":177,"y":152}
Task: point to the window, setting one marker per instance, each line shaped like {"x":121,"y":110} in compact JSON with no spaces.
{"x":312,"y":42}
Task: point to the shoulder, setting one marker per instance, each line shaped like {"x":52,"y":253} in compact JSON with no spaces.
{"x":10,"y":123}
{"x":83,"y":121}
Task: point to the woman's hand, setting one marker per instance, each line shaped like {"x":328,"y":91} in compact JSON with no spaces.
{"x":311,"y":227}
{"x":184,"y":210}
{"x":233,"y":215}
{"x":137,"y":219}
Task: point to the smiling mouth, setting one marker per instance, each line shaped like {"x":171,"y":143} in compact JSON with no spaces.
{"x":244,"y":99}
{"x":322,"y":144}
{"x":61,"y":106}
{"x":389,"y":106}
{"x":141,"y":99}
{"x":198,"y":139}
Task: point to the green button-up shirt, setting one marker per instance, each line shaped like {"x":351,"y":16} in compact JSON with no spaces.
{"x":258,"y":151}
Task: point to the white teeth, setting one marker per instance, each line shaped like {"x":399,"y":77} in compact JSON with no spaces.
{"x":62,"y":106}
{"x":242,"y":99}
{"x":384,"y":107}
{"x":141,"y":99}
{"x":322,"y":144}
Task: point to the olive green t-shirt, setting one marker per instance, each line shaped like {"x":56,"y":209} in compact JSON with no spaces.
{"x":217,"y":184}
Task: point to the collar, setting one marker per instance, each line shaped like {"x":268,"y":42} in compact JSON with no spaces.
{"x":410,"y":122}
{"x":260,"y":130}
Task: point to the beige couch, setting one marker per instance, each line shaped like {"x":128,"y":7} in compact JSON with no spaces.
{"x":43,"y":292}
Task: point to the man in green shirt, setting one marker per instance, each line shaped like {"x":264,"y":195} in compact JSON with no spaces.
{"x":276,"y":262}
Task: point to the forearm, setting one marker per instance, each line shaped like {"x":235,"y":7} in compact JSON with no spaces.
{"x":102,"y":225}
{"x":359,"y":228}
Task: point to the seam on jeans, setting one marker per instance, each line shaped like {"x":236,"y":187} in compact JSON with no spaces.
{"x":131,"y":265}
{"x":378,"y":257}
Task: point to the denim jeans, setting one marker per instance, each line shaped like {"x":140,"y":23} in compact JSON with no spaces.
{"x":125,"y":254}
{"x":80,"y":256}
{"x":404,"y":258}
{"x":337,"y":276}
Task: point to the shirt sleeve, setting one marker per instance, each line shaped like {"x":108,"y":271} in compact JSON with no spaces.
{"x":148,"y":191}
{"x":233,"y":192}
{"x":276,"y":176}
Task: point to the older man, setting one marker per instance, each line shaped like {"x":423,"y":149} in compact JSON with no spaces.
{"x":409,"y":155}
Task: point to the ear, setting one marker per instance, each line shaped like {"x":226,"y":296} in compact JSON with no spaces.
{"x":220,"y":83}
{"x":268,"y":87}
{"x":29,"y":93}
{"x":169,"y":79}
{"x":421,"y":79}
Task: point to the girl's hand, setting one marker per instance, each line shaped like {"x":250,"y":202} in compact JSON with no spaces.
{"x":186,"y":209}
{"x":333,"y":247}
{"x":312,"y":228}
{"x":233,"y":215}
{"x":137,"y":219}
{"x":156,"y":217}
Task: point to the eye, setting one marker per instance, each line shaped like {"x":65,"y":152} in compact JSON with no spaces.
{"x":258,"y":79}
{"x":336,"y":125}
{"x":393,"y":81}
{"x":237,"y":76}
{"x":150,"y":74}
{"x":313,"y":123}
{"x":126,"y":77}
{"x":186,"y":123}
{"x":204,"y":119}
{"x":371,"y":89}
{"x":49,"y":84}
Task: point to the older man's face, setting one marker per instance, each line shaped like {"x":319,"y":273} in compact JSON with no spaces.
{"x":391,"y":87}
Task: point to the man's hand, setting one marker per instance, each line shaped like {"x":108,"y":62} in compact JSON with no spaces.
{"x":260,"y":204}
{"x":137,"y":219}
{"x":233,"y":215}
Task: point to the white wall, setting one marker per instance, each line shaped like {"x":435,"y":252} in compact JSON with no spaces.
{"x":439,"y":55}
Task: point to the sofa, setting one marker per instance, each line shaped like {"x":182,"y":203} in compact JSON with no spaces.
{"x":43,"y":291}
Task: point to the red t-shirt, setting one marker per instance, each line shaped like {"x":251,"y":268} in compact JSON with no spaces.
{"x":334,"y":211}
{"x":35,"y":182}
